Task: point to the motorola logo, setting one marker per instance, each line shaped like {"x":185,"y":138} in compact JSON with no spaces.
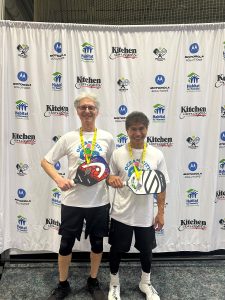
{"x":194,"y":48}
{"x":122,"y":110}
{"x":159,"y":79}
{"x":192,"y":166}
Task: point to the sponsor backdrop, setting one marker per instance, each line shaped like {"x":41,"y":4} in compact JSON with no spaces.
{"x":175,"y":74}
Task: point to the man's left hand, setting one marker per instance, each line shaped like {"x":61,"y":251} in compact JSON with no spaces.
{"x":159,"y":222}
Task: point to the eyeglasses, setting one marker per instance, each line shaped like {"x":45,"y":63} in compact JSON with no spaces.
{"x":89,"y":107}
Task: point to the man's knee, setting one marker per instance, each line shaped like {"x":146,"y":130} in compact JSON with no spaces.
{"x":66,"y":246}
{"x":96,"y":244}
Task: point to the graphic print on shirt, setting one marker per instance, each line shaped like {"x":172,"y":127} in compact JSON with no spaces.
{"x":97,"y":151}
{"x":129,"y":168}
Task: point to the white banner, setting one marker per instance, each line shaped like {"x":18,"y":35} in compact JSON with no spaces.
{"x":174,"y":74}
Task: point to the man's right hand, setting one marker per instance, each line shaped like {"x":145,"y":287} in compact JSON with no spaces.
{"x":65,"y":184}
{"x":115,"y":181}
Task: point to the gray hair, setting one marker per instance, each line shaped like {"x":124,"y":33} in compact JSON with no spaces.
{"x":90,"y":96}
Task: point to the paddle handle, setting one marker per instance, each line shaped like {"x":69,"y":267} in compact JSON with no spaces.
{"x":73,"y":181}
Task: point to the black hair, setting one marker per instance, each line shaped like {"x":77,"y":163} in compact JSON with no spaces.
{"x":136,"y":117}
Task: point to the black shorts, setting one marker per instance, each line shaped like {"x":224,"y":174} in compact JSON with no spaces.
{"x":94,"y":221}
{"x":120,"y":237}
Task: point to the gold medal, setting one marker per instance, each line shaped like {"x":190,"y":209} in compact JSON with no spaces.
{"x":88,"y":151}
{"x":137,"y":171}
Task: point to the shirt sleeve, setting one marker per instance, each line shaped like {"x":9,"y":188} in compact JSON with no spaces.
{"x":57,"y":151}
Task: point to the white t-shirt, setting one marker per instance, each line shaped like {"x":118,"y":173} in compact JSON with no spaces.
{"x":69,"y":145}
{"x":127,"y":207}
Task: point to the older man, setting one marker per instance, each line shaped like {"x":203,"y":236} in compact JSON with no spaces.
{"x":81,"y":203}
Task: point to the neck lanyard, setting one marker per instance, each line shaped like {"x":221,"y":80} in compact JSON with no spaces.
{"x":88,"y":151}
{"x":143,"y":155}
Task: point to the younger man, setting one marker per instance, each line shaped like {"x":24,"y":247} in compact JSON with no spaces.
{"x":133,"y":213}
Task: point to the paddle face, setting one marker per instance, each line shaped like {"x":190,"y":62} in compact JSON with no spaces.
{"x":92,"y":173}
{"x":151,"y":182}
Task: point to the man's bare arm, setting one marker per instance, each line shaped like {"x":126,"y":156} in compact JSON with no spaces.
{"x":63,"y":183}
{"x":159,"y":219}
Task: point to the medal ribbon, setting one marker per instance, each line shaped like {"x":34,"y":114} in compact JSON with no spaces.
{"x":143,"y":155}
{"x":87,"y":151}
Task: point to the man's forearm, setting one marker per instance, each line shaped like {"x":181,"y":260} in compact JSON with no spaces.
{"x":50,"y":170}
{"x":161,"y":202}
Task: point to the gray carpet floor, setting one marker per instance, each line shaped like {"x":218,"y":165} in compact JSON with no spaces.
{"x":175,"y":280}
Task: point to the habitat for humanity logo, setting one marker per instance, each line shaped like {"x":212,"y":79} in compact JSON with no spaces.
{"x":56,"y":111}
{"x":123,"y":84}
{"x":51,"y":224}
{"x":220,"y":195}
{"x":192,"y":111}
{"x":122,"y":111}
{"x":56,"y":193}
{"x":159,"y":141}
{"x":222,"y":167}
{"x":21,"y":110}
{"x":22,"y":77}
{"x":87,"y":54}
{"x":57,"y":84}
{"x":159,"y":113}
{"x":193,"y":141}
{"x":88,"y":82}
{"x":160,"y":80}
{"x":21,"y":169}
{"x":191,"y":198}
{"x":119,"y":52}
{"x":22,"y":139}
{"x":222,"y":139}
{"x":192,"y":167}
{"x":21,"y":193}
{"x":22,"y":49}
{"x":194,"y":53}
{"x":160,"y":53}
{"x":121,"y":139}
{"x":193,"y":85}
{"x":192,"y":224}
{"x":21,"y":224}
{"x":58,"y":55}
{"x":220,"y":81}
